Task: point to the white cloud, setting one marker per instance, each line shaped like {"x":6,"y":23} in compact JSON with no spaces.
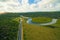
{"x":43,"y":5}
{"x":48,"y":5}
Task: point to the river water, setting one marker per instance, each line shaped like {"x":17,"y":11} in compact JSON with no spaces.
{"x":29,"y":21}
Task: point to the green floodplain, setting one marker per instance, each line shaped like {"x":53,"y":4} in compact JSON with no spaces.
{"x":9,"y":26}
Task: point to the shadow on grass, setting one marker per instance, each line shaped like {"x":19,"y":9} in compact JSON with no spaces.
{"x":50,"y":26}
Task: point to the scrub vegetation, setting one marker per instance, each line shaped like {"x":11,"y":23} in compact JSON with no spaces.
{"x":9,"y":26}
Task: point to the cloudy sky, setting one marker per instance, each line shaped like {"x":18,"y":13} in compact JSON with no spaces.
{"x":29,"y":5}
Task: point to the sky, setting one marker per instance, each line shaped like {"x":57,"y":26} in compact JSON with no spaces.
{"x":33,"y":1}
{"x":29,"y":5}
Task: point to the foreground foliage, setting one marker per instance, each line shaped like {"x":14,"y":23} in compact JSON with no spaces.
{"x":9,"y":26}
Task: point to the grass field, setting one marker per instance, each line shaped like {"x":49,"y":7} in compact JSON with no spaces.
{"x":37,"y":32}
{"x":9,"y":24}
{"x":41,"y":19}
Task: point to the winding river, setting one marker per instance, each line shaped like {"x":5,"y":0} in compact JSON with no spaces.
{"x":29,"y":21}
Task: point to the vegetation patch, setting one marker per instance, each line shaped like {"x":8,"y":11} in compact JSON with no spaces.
{"x":36,"y":32}
{"x":41,"y":19}
{"x":9,"y":24}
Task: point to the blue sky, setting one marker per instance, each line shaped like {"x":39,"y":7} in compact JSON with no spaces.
{"x":34,"y":1}
{"x":31,"y":1}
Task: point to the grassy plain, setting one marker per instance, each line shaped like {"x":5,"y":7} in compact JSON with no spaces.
{"x":37,"y":32}
{"x":41,"y":19}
